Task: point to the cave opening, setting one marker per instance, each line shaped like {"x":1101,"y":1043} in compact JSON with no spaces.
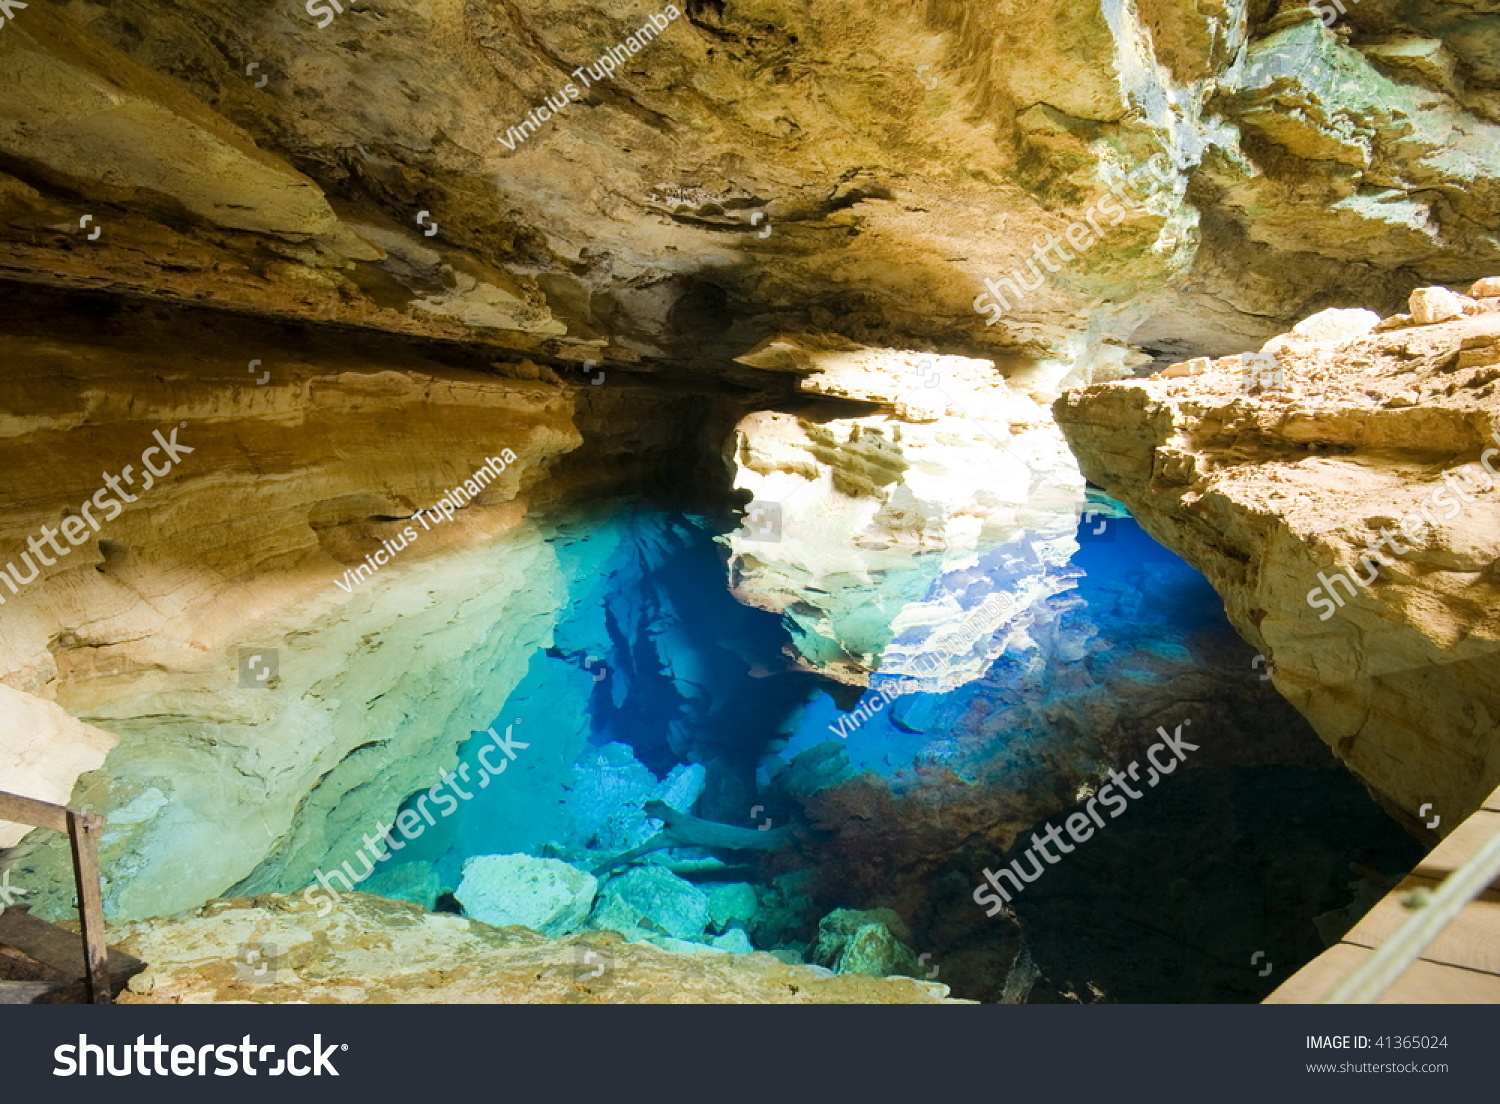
{"x":844,"y":506}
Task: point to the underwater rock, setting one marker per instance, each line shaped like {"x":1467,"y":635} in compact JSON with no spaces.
{"x":606,"y":803}
{"x":854,"y":942}
{"x":731,"y":904}
{"x":874,"y":952}
{"x":417,"y":882}
{"x":735,"y":941}
{"x":650,"y":899}
{"x":820,"y":767}
{"x":682,"y":787}
{"x":785,"y":919}
{"x":545,"y":895}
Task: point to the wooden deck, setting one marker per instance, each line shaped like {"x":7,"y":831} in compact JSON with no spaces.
{"x":1461,"y":966}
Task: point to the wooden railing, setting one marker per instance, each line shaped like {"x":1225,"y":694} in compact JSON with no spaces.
{"x":83,"y":832}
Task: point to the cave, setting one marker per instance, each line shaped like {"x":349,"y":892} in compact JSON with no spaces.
{"x":962,"y":504}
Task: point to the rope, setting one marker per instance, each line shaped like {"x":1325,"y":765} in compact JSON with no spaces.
{"x":1379,"y":972}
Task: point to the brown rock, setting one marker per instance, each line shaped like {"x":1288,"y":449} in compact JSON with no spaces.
{"x":1431,"y":305}
{"x":1398,"y":677}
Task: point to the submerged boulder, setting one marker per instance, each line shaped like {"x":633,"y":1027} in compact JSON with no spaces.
{"x":607,"y":800}
{"x":545,"y":895}
{"x":605,"y":804}
{"x":652,"y":900}
{"x":732,"y":904}
{"x":854,"y":942}
{"x":735,"y":941}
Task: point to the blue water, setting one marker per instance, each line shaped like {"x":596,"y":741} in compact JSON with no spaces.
{"x":660,"y":685}
{"x":1121,"y":579}
{"x":653,"y":653}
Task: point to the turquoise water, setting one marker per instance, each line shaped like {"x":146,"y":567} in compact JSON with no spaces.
{"x":661,"y":686}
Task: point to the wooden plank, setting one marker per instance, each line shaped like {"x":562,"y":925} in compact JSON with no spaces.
{"x":1492,"y":803}
{"x":61,"y":950}
{"x":1425,"y":983}
{"x":1472,"y":940}
{"x":1313,"y":982}
{"x":83,"y":831}
{"x":1461,"y":965}
{"x":1429,"y":983}
{"x":1461,"y":845}
{"x":28,"y":810}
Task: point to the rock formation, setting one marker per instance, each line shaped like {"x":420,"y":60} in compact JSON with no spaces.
{"x":1343,"y":504}
{"x":863,"y":526}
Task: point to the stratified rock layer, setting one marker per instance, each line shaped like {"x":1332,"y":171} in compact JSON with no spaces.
{"x":1273,"y":482}
{"x":855,"y":168}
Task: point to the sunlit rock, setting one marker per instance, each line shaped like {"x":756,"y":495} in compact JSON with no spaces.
{"x":42,"y":753}
{"x":1434,"y":304}
{"x":1351,"y":523}
{"x":858,"y":525}
{"x":371,"y":951}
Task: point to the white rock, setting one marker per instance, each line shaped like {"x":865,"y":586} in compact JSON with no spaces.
{"x":1337,"y":324}
{"x":43,"y":751}
{"x":965,"y":459}
{"x":683,"y":786}
{"x":1435,"y":304}
{"x":1195,"y":367}
{"x":1488,"y":288}
{"x":545,"y":895}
